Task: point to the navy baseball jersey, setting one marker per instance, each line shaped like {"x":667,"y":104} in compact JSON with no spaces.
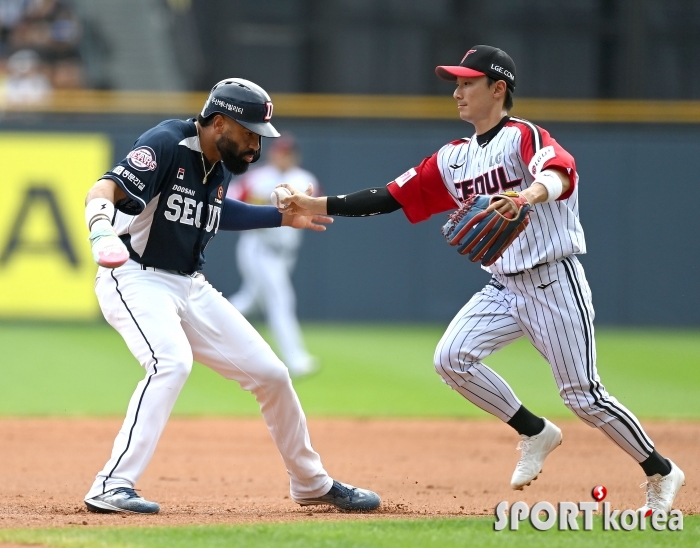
{"x":169,"y":214}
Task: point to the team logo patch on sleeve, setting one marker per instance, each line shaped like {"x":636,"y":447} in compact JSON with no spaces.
{"x":142,"y":159}
{"x":539,"y":159}
{"x":403,"y":179}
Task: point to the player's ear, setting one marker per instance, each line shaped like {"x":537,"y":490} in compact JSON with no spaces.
{"x":219,"y":123}
{"x":499,"y":89}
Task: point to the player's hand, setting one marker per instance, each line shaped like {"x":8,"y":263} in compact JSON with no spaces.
{"x":107,"y":249}
{"x":505,"y":207}
{"x":310,"y":222}
{"x":302,"y":203}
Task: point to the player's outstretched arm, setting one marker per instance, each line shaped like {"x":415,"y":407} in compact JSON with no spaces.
{"x":107,"y":249}
{"x":364,"y":203}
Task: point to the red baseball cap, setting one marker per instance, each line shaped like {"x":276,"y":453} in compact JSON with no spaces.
{"x":481,"y":61}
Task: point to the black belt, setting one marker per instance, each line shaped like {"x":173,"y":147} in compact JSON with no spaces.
{"x":176,"y":272}
{"x":523,"y":271}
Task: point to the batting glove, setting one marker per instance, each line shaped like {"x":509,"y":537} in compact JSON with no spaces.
{"x":107,"y":249}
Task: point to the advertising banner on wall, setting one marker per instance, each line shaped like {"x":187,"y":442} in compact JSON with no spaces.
{"x":46,"y":268}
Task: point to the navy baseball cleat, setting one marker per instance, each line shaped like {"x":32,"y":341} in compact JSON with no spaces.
{"x":345,"y":497}
{"x":121,"y":499}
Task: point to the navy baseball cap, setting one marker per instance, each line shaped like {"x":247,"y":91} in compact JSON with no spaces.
{"x":481,"y":61}
{"x":244,"y":101}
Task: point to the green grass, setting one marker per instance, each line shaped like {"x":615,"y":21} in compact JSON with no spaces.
{"x":368,"y":370}
{"x":438,"y":533}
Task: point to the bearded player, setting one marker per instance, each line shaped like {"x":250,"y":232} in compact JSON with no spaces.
{"x":538,"y":287}
{"x":150,"y":219}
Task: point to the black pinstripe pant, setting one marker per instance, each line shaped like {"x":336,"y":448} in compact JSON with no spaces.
{"x":557,"y":318}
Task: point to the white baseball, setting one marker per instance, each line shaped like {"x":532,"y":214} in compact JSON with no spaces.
{"x":277,"y":195}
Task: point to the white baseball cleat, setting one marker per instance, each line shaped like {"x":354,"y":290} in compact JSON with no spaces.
{"x":662,"y":490}
{"x":534,"y":450}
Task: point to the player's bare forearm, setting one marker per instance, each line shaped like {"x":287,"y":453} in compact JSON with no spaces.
{"x":302,"y":203}
{"x":107,"y":189}
{"x":315,"y":206}
{"x":537,"y":193}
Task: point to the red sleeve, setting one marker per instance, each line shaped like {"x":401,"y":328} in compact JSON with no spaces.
{"x":540,"y":151}
{"x":421,"y":191}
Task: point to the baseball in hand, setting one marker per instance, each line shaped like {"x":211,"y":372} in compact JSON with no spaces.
{"x":277,"y":195}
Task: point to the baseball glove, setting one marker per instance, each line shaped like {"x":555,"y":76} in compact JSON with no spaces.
{"x":483,"y":236}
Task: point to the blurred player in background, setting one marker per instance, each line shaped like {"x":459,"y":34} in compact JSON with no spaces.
{"x":267,"y":256}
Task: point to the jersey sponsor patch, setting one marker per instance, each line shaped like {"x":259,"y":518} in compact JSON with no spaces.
{"x":539,"y":159}
{"x":133,"y":179}
{"x":142,"y":159}
{"x":129,"y":177}
{"x":403,"y":179}
{"x":181,"y":173}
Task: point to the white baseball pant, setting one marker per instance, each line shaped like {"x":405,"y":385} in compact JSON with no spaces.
{"x":551,"y":306}
{"x":168,"y":320}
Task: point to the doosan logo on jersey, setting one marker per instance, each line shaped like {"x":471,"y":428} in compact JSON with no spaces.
{"x":178,"y":188}
{"x":189,"y":212}
{"x":504,"y":72}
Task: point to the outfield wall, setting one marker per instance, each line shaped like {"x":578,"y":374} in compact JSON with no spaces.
{"x":638,"y":195}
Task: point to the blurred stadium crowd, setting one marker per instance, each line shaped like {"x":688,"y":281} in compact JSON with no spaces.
{"x":588,"y":49}
{"x":39,"y":49}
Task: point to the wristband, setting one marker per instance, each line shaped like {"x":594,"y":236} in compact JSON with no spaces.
{"x":552,"y":183}
{"x":98,"y":208}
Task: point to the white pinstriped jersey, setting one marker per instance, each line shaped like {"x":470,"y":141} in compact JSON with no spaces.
{"x":508,"y":157}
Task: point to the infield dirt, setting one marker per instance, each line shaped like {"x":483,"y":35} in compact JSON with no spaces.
{"x":228,"y":470}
